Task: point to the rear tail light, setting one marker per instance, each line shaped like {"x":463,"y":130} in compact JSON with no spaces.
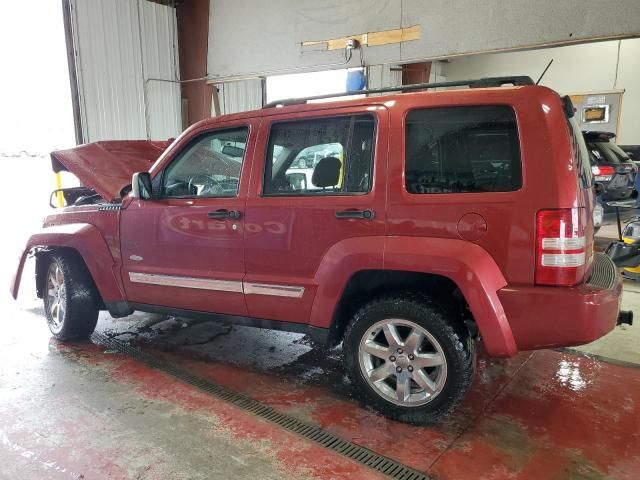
{"x":561,"y":247}
{"x":603,"y":173}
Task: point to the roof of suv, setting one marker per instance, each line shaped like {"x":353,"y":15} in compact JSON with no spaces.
{"x":297,"y":105}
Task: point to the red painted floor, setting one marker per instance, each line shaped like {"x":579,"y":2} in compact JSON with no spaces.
{"x":544,"y":414}
{"x":70,"y":435}
{"x":83,"y":412}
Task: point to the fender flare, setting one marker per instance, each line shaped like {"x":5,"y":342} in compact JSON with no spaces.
{"x":87,"y":240}
{"x":466,"y":264}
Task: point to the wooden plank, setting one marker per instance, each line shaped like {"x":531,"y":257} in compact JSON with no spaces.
{"x":394,"y":36}
{"x":576,"y":98}
{"x":371,"y":39}
{"x":339,"y":43}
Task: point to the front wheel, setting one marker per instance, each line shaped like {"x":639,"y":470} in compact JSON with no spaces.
{"x":409,"y":358}
{"x":70,"y":298}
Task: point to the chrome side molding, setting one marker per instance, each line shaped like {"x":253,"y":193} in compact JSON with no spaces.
{"x":290,"y":291}
{"x":186,"y":282}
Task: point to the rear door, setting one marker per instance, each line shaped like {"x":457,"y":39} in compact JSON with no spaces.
{"x":318,"y":179}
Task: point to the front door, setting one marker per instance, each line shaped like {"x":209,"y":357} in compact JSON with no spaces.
{"x":320,"y":181}
{"x":184,"y":249}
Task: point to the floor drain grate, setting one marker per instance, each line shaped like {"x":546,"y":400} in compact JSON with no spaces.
{"x":353,"y":451}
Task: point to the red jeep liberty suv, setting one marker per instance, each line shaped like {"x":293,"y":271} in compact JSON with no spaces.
{"x":406,"y":226}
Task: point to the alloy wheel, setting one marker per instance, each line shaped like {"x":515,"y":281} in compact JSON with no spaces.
{"x":56,"y":297}
{"x":402,"y":362}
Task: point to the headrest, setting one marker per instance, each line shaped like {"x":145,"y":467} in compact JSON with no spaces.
{"x":327,"y":172}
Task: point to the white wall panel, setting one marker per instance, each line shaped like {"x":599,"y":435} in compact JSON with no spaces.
{"x":253,"y":38}
{"x":240,"y":96}
{"x":160,"y":61}
{"x":381,"y":76}
{"x":119,"y":44}
{"x":594,"y":67}
{"x":629,"y":80}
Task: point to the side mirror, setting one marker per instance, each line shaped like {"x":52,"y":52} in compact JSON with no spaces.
{"x":141,"y":186}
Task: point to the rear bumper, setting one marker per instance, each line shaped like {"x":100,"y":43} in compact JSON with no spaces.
{"x":545,"y":317}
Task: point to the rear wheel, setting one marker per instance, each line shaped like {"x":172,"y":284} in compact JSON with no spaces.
{"x":70,"y":299}
{"x":409,"y":358}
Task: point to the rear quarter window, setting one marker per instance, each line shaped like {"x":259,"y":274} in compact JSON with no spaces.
{"x":462,"y":150}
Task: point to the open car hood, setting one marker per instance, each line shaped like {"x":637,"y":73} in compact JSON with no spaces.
{"x":107,"y":166}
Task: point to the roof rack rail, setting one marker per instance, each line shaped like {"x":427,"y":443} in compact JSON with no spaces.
{"x":488,"y":82}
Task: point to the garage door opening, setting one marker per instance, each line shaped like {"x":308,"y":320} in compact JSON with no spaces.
{"x":302,"y":85}
{"x":37,"y":114}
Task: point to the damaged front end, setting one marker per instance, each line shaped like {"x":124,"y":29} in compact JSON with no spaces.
{"x":104,"y":169}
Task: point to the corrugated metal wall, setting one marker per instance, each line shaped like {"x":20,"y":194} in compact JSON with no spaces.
{"x":240,"y":96}
{"x":244,"y":95}
{"x":120,"y":44}
{"x":381,"y":76}
{"x":160,"y":61}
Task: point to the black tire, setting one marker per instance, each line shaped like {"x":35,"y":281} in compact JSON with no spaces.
{"x":77,"y":318}
{"x":444,"y":325}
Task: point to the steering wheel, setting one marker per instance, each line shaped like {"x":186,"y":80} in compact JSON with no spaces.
{"x":210,"y":186}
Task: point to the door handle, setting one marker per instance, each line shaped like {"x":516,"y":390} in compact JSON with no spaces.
{"x":361,"y":214}
{"x":223,"y":213}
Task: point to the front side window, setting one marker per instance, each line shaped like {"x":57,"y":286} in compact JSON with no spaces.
{"x":462,"y":150}
{"x":209,"y":166}
{"x":326,"y":156}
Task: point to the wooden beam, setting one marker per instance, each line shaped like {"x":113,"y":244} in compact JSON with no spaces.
{"x":371,"y":39}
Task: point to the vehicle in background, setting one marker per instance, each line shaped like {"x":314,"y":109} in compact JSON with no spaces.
{"x":300,"y":172}
{"x":634,"y":154}
{"x":598,"y":215}
{"x":612,"y":168}
{"x":625,"y":251}
{"x":633,"y":151}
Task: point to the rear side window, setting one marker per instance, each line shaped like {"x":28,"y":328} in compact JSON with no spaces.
{"x":462,"y":150}
{"x":323,"y":156}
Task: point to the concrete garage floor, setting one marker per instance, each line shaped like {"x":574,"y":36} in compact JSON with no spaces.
{"x":84,"y":411}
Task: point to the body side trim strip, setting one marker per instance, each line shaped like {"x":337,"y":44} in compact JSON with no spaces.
{"x":186,"y":282}
{"x":290,"y":291}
